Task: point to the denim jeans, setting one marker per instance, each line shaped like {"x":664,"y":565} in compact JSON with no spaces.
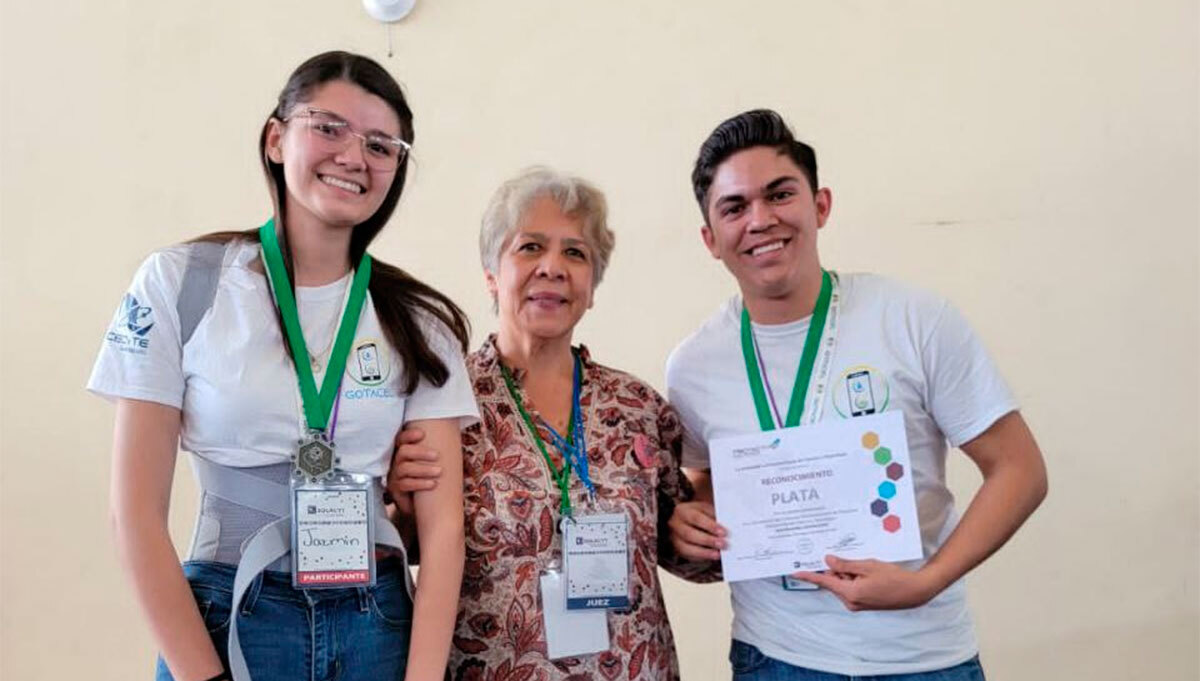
{"x":749,"y":664}
{"x":351,"y":634}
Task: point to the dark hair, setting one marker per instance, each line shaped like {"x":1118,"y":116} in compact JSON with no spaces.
{"x":757,"y":128}
{"x":400,"y":299}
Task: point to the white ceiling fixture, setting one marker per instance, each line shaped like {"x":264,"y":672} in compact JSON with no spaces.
{"x":388,"y":11}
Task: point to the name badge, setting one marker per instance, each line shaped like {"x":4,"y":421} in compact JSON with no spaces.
{"x":596,"y":557}
{"x":333,"y":531}
{"x":569,"y":632}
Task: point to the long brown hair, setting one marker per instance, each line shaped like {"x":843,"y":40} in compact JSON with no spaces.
{"x":400,"y":299}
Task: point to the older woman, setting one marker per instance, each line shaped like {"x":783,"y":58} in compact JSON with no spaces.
{"x":561,"y":437}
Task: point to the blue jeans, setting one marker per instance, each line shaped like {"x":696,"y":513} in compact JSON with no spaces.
{"x":288,"y":634}
{"x":749,"y":664}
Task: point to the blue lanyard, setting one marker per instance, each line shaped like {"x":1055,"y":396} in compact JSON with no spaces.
{"x":574,"y":447}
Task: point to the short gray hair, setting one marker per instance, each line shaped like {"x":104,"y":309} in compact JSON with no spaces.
{"x":575,"y":197}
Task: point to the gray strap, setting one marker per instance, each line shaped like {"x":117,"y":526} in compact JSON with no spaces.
{"x":268,"y":545}
{"x":273,"y":541}
{"x":241,"y":488}
{"x":199,"y":285}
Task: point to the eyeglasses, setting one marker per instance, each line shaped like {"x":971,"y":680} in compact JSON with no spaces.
{"x":331,"y":133}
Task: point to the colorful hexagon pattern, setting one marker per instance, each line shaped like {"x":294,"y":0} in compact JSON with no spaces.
{"x":879,"y":508}
{"x":892,"y":523}
{"x":887,"y":489}
{"x":895,"y":471}
{"x":883,"y":455}
{"x":870,"y":440}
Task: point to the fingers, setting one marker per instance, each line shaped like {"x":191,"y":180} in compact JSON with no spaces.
{"x":695,"y":532}
{"x":409,"y":436}
{"x":853,"y":568}
{"x":415,"y":453}
{"x":694,"y":551}
{"x":702,"y":515}
{"x":415,"y":469}
{"x":402,"y":486}
{"x":413,"y":477}
{"x":842,"y":588}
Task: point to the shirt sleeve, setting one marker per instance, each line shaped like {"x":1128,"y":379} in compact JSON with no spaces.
{"x":693,"y":448}
{"x":452,"y":399}
{"x":141,"y":356}
{"x":965,"y":392}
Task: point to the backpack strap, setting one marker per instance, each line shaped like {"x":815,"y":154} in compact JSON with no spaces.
{"x":206,"y":259}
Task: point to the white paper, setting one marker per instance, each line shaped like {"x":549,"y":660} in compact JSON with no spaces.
{"x":790,"y":497}
{"x":570,"y":632}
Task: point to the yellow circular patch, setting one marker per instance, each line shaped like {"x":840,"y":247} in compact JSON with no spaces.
{"x":870,"y":440}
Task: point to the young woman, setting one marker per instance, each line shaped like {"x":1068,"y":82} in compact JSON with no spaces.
{"x":239,"y":345}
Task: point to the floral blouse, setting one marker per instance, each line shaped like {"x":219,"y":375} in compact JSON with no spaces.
{"x":633,"y":438}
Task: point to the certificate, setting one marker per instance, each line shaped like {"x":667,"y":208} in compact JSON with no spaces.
{"x":790,"y":497}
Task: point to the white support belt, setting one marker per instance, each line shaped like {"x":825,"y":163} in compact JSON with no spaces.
{"x":272,"y":541}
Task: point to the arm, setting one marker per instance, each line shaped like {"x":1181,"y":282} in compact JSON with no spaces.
{"x":144,"y":446}
{"x":439,"y":513}
{"x":1014,"y":483}
{"x":674,"y":493}
{"x":413,"y":469}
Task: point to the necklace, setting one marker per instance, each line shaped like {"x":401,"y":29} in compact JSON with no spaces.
{"x":317,"y":360}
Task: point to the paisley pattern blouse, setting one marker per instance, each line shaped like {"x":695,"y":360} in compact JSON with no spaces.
{"x":633,"y":439}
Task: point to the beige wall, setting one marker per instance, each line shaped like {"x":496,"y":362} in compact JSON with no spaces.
{"x":1037,"y":162}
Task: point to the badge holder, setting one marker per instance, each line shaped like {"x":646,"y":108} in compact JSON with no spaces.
{"x":596,"y":560}
{"x":793,"y":584}
{"x":569,"y":633}
{"x":333,"y":520}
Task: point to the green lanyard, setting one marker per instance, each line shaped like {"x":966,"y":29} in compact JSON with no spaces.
{"x":561,"y":476}
{"x":317,"y":406}
{"x":808,"y":357}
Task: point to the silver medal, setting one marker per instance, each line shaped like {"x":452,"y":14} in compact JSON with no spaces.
{"x":315,"y":458}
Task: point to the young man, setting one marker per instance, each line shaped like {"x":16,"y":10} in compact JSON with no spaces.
{"x":884,"y":347}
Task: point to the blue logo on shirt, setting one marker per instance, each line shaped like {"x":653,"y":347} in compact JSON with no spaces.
{"x":137,"y":317}
{"x":132,"y":323}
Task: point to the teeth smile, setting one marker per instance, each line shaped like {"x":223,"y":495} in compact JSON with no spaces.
{"x":767,"y":248}
{"x":342,"y":184}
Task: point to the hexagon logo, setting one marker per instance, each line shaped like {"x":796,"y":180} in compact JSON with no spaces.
{"x":883,"y":455}
{"x":870,"y":440}
{"x":895,"y":471}
{"x":891,"y":523}
{"x":887,"y":489}
{"x":879,"y":508}
{"x":314,"y":458}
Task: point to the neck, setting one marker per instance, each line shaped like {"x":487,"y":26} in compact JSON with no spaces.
{"x":320,"y":252}
{"x":537,"y":357}
{"x":794,"y":304}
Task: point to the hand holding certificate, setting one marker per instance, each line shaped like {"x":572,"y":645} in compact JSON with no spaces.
{"x":790,"y":497}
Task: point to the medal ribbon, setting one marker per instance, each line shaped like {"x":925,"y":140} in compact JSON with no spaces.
{"x":574,"y":454}
{"x":816,"y":327}
{"x":317,"y":405}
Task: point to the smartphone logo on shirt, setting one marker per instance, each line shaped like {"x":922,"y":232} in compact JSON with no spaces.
{"x":369,"y":364}
{"x":860,"y":391}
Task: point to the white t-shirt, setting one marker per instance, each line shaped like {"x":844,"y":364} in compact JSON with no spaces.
{"x":898,"y":349}
{"x":234,"y":380}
